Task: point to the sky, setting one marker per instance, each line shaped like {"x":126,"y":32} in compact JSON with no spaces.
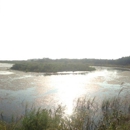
{"x":64,"y":29}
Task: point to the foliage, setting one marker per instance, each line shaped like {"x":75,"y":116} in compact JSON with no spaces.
{"x":112,"y":114}
{"x":52,"y":66}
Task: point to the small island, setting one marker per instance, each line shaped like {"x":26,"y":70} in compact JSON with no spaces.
{"x":49,"y":65}
{"x":59,"y":65}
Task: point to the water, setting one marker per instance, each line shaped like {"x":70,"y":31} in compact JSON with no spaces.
{"x":18,"y":89}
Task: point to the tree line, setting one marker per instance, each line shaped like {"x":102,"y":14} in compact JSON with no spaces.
{"x":55,"y":65}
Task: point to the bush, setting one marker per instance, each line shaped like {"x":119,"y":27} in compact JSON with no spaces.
{"x":112,"y":114}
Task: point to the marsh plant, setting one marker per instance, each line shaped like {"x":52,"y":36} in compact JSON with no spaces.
{"x":110,"y":114}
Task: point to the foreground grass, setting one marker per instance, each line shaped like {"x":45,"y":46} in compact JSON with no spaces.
{"x":112,"y":114}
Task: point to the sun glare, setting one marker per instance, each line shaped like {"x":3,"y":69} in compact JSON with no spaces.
{"x":70,"y":91}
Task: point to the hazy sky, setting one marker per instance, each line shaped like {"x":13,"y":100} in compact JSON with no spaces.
{"x":64,"y":29}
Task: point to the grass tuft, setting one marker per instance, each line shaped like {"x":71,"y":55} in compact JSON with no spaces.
{"x":112,"y":114}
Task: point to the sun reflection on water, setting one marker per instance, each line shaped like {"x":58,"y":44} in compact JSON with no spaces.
{"x":66,"y":89}
{"x":69,"y":91}
{"x":52,"y":90}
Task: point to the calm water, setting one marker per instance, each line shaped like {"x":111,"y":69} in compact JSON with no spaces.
{"x":47,"y":90}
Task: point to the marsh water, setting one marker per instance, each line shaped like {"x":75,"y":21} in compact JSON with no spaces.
{"x":19,"y":90}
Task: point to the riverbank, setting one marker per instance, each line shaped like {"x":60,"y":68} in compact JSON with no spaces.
{"x":112,"y":114}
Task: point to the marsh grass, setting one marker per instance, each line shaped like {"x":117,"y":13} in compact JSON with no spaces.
{"x":111,"y":114}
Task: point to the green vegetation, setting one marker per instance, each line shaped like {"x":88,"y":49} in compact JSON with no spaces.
{"x":48,"y":65}
{"x":112,"y":114}
{"x":58,"y":65}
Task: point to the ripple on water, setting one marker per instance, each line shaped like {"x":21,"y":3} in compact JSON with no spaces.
{"x":51,"y":90}
{"x":6,"y":72}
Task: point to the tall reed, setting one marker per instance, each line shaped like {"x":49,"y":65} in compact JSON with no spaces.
{"x":111,"y":114}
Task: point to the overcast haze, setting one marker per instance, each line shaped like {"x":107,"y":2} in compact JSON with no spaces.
{"x":64,"y":29}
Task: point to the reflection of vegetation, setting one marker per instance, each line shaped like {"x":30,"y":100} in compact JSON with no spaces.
{"x":112,"y":114}
{"x":48,"y":65}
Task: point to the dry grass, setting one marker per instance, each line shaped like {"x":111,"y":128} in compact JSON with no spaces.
{"x":112,"y":114}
